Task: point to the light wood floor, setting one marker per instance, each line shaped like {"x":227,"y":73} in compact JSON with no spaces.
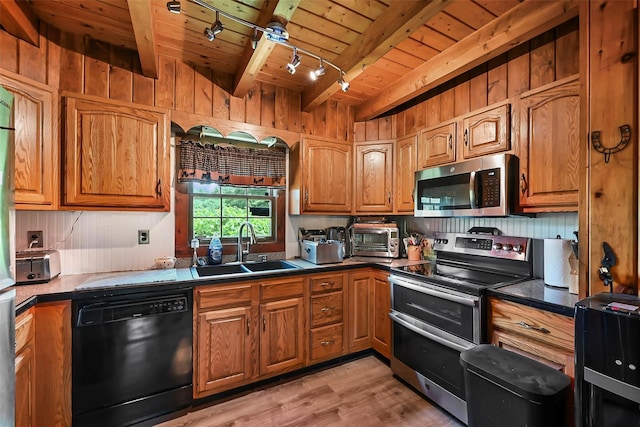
{"x":358,"y":393}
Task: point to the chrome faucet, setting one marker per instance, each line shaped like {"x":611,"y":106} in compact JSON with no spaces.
{"x":252,"y":240}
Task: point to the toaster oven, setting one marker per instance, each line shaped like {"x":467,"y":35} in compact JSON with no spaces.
{"x":374,"y":239}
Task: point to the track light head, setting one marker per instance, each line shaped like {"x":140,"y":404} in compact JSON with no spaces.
{"x":216,"y":28}
{"x":343,"y":84}
{"x":314,"y":74}
{"x":255,"y":39}
{"x":174,"y":7}
{"x":295,"y":61}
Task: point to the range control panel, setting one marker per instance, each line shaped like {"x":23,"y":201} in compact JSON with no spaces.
{"x":508,"y":247}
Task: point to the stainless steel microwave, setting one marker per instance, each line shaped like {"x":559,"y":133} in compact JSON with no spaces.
{"x":486,"y":186}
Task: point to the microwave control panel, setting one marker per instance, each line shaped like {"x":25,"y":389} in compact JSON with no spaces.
{"x":490,"y":191}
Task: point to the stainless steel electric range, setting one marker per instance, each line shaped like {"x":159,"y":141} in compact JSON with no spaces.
{"x":438,"y":309}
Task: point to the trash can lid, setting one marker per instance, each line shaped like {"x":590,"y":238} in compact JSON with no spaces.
{"x":529,"y":378}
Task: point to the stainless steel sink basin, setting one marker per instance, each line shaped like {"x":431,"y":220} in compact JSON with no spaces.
{"x":217,"y":270}
{"x":244,"y":268}
{"x":269,"y":265}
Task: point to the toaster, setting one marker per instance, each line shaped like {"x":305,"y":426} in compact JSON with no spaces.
{"x":322,"y":252}
{"x":37,"y":266}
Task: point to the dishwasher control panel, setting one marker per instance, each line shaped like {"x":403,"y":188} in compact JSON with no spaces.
{"x":124,"y":310}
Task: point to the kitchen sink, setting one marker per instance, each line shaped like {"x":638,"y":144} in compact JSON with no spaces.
{"x":269,"y":265}
{"x":217,"y":270}
{"x":244,"y":268}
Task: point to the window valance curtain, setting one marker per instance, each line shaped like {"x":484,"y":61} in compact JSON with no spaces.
{"x":208,"y":163}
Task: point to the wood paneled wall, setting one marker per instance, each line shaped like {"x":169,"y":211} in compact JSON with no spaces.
{"x":545,"y":59}
{"x":95,"y":68}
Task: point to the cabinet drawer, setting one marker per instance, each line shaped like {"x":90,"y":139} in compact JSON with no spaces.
{"x":282,"y":289}
{"x":330,"y":282}
{"x":326,"y":342}
{"x":220,"y":296}
{"x":326,"y":308}
{"x":25,"y":329}
{"x":533,"y":323}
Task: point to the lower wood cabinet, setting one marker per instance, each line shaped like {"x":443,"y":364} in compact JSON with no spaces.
{"x":381,"y":335}
{"x":538,"y":334}
{"x":327,"y":316}
{"x":247,"y":331}
{"x":360,"y":306}
{"x":25,"y":369}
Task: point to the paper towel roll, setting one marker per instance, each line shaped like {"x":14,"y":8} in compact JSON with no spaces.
{"x":557,"y":270}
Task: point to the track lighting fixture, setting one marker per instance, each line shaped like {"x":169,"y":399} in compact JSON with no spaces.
{"x":314,"y":74}
{"x":343,"y":84}
{"x":274,"y":32}
{"x":255,"y":39}
{"x":295,"y":61}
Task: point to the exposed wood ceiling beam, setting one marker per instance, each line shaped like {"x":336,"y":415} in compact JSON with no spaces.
{"x":252,"y":60}
{"x":515,"y":27}
{"x":141,"y":12}
{"x":398,"y":22}
{"x":18,"y":20}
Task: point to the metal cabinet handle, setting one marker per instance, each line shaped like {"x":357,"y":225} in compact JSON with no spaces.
{"x":466,"y":137}
{"x":535,"y":328}
{"x":306,"y":197}
{"x":450,"y":142}
{"x":264,"y":323}
{"x":159,"y":188}
{"x":389,"y":196}
{"x":523,"y":184}
{"x":325,"y":309}
{"x":325,"y":284}
{"x":327,"y":342}
{"x":248,"y":326}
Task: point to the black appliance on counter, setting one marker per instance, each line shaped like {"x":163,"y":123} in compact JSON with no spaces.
{"x":131,"y":357}
{"x":607,"y":357}
{"x":438,"y":310}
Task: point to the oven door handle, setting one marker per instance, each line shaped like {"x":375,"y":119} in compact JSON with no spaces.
{"x":469,"y":301}
{"x":429,"y":335}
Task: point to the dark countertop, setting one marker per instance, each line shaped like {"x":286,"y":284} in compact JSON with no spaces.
{"x":96,"y":285}
{"x":535,"y":293}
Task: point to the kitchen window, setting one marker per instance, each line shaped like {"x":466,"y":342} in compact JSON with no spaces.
{"x":220,"y":209}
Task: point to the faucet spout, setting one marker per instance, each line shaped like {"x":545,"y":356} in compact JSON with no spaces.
{"x":252,"y":240}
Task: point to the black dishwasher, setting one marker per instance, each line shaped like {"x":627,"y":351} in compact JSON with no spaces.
{"x":132,"y":357}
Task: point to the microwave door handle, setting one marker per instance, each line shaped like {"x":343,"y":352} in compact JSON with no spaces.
{"x":472,"y":189}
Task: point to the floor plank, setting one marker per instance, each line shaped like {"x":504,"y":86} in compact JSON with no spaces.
{"x":362,"y":392}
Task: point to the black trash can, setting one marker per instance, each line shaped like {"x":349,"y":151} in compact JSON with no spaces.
{"x":505,"y":389}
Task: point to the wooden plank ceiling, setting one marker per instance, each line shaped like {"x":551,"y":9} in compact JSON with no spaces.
{"x":378,"y":43}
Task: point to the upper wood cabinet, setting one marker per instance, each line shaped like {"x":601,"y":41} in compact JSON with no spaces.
{"x":116,"y":155}
{"x":35,"y":138}
{"x":486,"y":131}
{"x":374,"y":177}
{"x":321,"y":178}
{"x":549,"y":147}
{"x":404,"y":176}
{"x":437,"y":145}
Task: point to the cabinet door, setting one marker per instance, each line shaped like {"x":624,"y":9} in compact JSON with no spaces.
{"x":405,"y":168}
{"x":25,"y":386}
{"x":360,"y":311}
{"x":116,"y":155}
{"x":327,"y":182}
{"x":223,"y":355}
{"x":486,"y":132}
{"x":381,"y":337}
{"x":35,"y":171}
{"x":549,"y":146}
{"x":282,"y":334}
{"x":558,"y":359}
{"x":437,"y":146}
{"x":374,"y":177}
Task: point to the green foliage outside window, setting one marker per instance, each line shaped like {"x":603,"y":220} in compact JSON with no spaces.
{"x":221,"y":210}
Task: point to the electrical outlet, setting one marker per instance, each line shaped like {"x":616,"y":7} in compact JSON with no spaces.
{"x":34,"y":239}
{"x":143,"y":237}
